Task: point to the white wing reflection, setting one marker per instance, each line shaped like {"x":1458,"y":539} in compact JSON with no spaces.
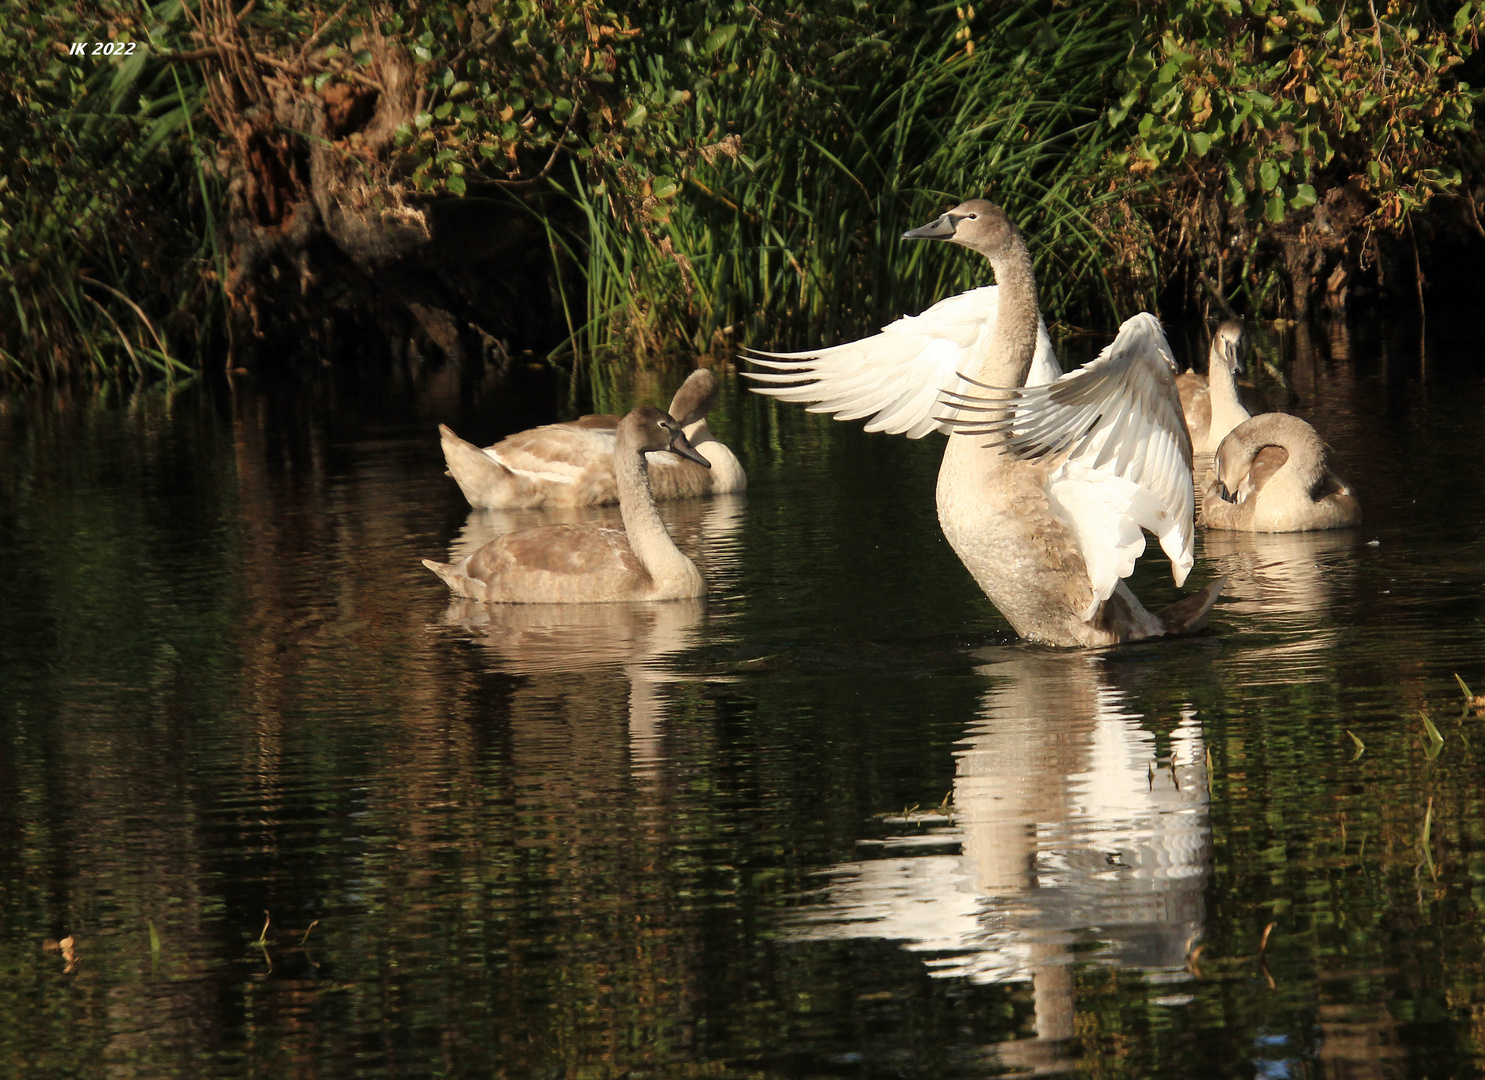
{"x":1070,"y":832}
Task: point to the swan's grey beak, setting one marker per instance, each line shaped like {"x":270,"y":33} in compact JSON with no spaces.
{"x":940,"y":228}
{"x":679,"y":444}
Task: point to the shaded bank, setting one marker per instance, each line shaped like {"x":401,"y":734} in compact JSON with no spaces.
{"x":475,"y":181}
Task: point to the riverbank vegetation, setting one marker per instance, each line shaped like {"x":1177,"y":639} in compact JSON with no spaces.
{"x":567,"y":177}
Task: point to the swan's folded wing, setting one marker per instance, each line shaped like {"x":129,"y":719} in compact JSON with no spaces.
{"x":895,"y":377}
{"x":1116,"y":419}
{"x":559,"y":453}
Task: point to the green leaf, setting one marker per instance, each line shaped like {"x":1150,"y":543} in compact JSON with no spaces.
{"x":402,"y":134}
{"x":1201,"y":142}
{"x":456,"y":185}
{"x":1367,"y":104}
{"x":1304,"y":195}
{"x":720,"y":37}
{"x":459,"y":88}
{"x":1268,"y":174}
{"x":663,"y":187}
{"x":421,"y":53}
{"x":636,"y":116}
{"x":363,"y":58}
{"x":422,"y":120}
{"x":1275,"y":208}
{"x":1434,"y":738}
{"x":321,"y":79}
{"x":442,"y":112}
{"x":1309,"y":13}
{"x":1236,"y":193}
{"x":1326,"y":152}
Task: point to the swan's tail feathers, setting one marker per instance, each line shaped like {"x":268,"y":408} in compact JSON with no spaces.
{"x":1189,"y":614}
{"x":484,"y":481}
{"x":459,"y":584}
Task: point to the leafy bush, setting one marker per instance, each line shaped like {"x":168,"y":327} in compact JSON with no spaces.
{"x":87,"y":200}
{"x":702,"y":170}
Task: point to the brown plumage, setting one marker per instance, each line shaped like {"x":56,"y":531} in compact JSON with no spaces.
{"x":1274,"y":474}
{"x":995,"y":500}
{"x":586,"y":563}
{"x":572,"y":464}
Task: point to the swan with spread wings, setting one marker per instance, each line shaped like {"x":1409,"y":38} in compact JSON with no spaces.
{"x":1047,"y":479}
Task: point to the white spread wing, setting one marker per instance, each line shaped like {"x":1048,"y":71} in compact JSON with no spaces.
{"x":1121,"y":453}
{"x":895,"y":377}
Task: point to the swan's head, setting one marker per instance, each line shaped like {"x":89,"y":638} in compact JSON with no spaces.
{"x":695,"y":398}
{"x":976,"y":224}
{"x":1229,"y":347}
{"x":652,"y":429}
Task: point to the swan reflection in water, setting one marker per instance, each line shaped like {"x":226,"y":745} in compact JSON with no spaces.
{"x":629,"y":640}
{"x":1284,"y":587}
{"x":613,"y":648}
{"x":1074,"y":831}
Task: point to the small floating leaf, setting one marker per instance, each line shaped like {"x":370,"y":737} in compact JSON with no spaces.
{"x":1360,"y":746}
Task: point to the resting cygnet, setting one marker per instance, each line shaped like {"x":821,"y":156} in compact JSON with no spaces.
{"x":572,"y":464}
{"x":587,"y":564}
{"x":1273,"y":474}
{"x":1217,"y":402}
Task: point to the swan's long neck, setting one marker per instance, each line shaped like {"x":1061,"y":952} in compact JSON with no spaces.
{"x":1004,"y":363}
{"x":1300,"y":474}
{"x":1009,"y":355}
{"x":726,"y":473}
{"x":648,"y":536}
{"x":1227,"y":407}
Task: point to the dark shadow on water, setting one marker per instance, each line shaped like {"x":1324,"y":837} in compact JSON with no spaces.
{"x":834,"y":821}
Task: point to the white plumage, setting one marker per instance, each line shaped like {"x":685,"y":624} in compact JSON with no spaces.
{"x":1047,"y":514}
{"x":1120,"y":454}
{"x":895,"y":377}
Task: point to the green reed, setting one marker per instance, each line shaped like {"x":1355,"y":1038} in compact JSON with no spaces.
{"x":93,"y":255}
{"x":785,"y":228}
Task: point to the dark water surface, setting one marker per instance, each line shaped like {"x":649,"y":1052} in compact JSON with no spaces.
{"x":834,"y":822}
